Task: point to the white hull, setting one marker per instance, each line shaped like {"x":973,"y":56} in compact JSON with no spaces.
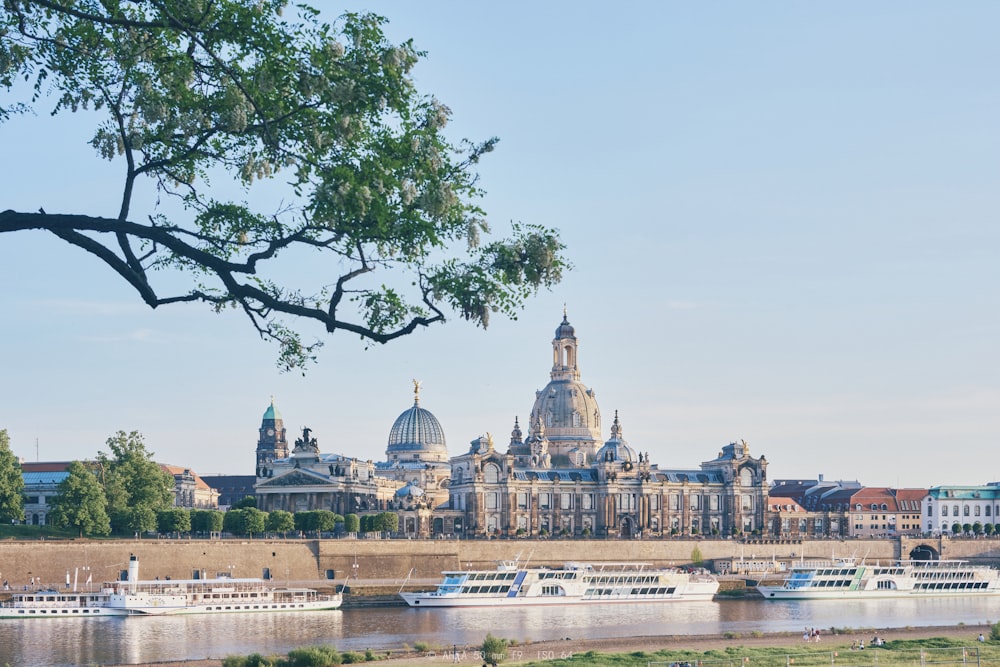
{"x":425,"y":600}
{"x":228,"y":608}
{"x":779,"y":593}
{"x":133,"y":597}
{"x":618,"y":583}
{"x":847,"y":579}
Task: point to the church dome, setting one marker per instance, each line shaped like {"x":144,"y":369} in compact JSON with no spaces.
{"x":565,"y":329}
{"x":566,"y":408}
{"x":616,"y":450}
{"x":417,"y":435}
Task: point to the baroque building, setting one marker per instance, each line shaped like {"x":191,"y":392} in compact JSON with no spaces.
{"x":563,"y":478}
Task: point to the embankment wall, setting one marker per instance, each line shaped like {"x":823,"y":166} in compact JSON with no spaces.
{"x":48,"y":561}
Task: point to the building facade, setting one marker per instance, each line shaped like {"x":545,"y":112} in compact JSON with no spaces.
{"x":971,"y":508}
{"x":562,"y":478}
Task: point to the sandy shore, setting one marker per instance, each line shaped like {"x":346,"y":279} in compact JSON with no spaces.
{"x":567,"y":647}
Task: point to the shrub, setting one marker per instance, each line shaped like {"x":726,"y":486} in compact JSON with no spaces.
{"x":314,"y":656}
{"x":351,"y":657}
{"x":995,"y":632}
{"x":494,"y":649}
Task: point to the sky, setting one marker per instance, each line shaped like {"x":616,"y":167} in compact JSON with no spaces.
{"x":781,"y":216}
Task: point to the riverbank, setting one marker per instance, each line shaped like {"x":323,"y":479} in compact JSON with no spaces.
{"x":563,"y":648}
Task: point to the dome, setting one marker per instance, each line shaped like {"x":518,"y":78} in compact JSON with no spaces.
{"x":410,"y":489}
{"x":271,"y":413}
{"x":566,"y":408}
{"x":616,"y":449}
{"x":417,"y":435}
{"x":565,"y":329}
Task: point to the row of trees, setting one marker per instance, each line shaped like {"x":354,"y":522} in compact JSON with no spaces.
{"x":124,"y":491}
{"x":976,"y":528}
{"x":121,"y":490}
{"x":246,"y":519}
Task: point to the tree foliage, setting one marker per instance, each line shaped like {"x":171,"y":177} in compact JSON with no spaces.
{"x":80,"y":502}
{"x":219,"y":103}
{"x":247,"y":501}
{"x":173,"y":520}
{"x":135,"y":486}
{"x":317,"y":521}
{"x":280,"y":521}
{"x":11,"y":483}
{"x":206,"y":521}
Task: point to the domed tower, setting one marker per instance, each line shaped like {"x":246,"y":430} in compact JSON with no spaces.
{"x":272,"y":442}
{"x":566,"y":408}
{"x":616,"y":449}
{"x":416,"y":436}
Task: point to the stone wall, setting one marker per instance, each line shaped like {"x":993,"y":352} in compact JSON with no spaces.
{"x":315,"y":561}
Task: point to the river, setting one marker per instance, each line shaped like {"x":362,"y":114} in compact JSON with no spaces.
{"x":122,"y":640}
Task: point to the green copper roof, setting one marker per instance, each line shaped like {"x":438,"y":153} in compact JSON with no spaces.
{"x":272,"y":412}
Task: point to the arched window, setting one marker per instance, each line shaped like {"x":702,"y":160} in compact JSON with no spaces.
{"x":491,"y":473}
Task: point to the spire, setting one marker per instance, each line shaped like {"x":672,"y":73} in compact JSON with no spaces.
{"x":564,"y":354}
{"x":516,"y":435}
{"x":616,"y":428}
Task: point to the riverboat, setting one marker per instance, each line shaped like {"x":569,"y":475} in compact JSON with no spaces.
{"x":135,"y":597}
{"x":511,"y":584}
{"x":845,"y":578}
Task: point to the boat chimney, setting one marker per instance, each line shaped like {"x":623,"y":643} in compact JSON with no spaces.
{"x":133,"y":571}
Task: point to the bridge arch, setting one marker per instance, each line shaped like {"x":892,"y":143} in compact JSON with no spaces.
{"x":924,"y":552}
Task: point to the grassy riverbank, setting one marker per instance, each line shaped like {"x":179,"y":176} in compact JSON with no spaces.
{"x":904,"y":647}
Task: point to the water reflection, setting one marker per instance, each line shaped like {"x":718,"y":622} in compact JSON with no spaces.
{"x":136,"y":640}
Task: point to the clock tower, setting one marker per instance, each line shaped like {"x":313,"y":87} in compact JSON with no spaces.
{"x":272,"y":443}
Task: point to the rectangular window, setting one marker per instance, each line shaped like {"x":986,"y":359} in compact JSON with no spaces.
{"x":675,"y":502}
{"x":491,"y":500}
{"x":747,"y":502}
{"x":818,"y":526}
{"x":654,"y":502}
{"x":565,"y":501}
{"x":714,"y":502}
{"x":695,"y":501}
{"x":944,"y":511}
{"x":588,"y":501}
{"x":522,"y":500}
{"x":977,"y":510}
{"x":543,"y":501}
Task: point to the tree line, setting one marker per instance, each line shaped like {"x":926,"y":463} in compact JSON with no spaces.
{"x":123,"y":491}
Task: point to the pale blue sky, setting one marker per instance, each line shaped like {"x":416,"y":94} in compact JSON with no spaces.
{"x":782,"y":218}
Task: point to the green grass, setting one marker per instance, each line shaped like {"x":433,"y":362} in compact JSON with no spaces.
{"x":23,"y":532}
{"x":901,"y":653}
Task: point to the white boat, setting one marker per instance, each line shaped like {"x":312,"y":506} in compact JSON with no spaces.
{"x":58,"y":604}
{"x":135,"y":597}
{"x":845,"y":578}
{"x":574,"y":583}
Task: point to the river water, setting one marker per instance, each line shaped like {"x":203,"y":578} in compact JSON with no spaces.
{"x":122,"y":640}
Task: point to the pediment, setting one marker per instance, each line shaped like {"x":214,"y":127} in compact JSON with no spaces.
{"x":295,"y":478}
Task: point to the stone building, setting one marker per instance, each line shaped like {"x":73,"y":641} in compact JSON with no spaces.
{"x":562,"y":480}
{"x":310,"y":480}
